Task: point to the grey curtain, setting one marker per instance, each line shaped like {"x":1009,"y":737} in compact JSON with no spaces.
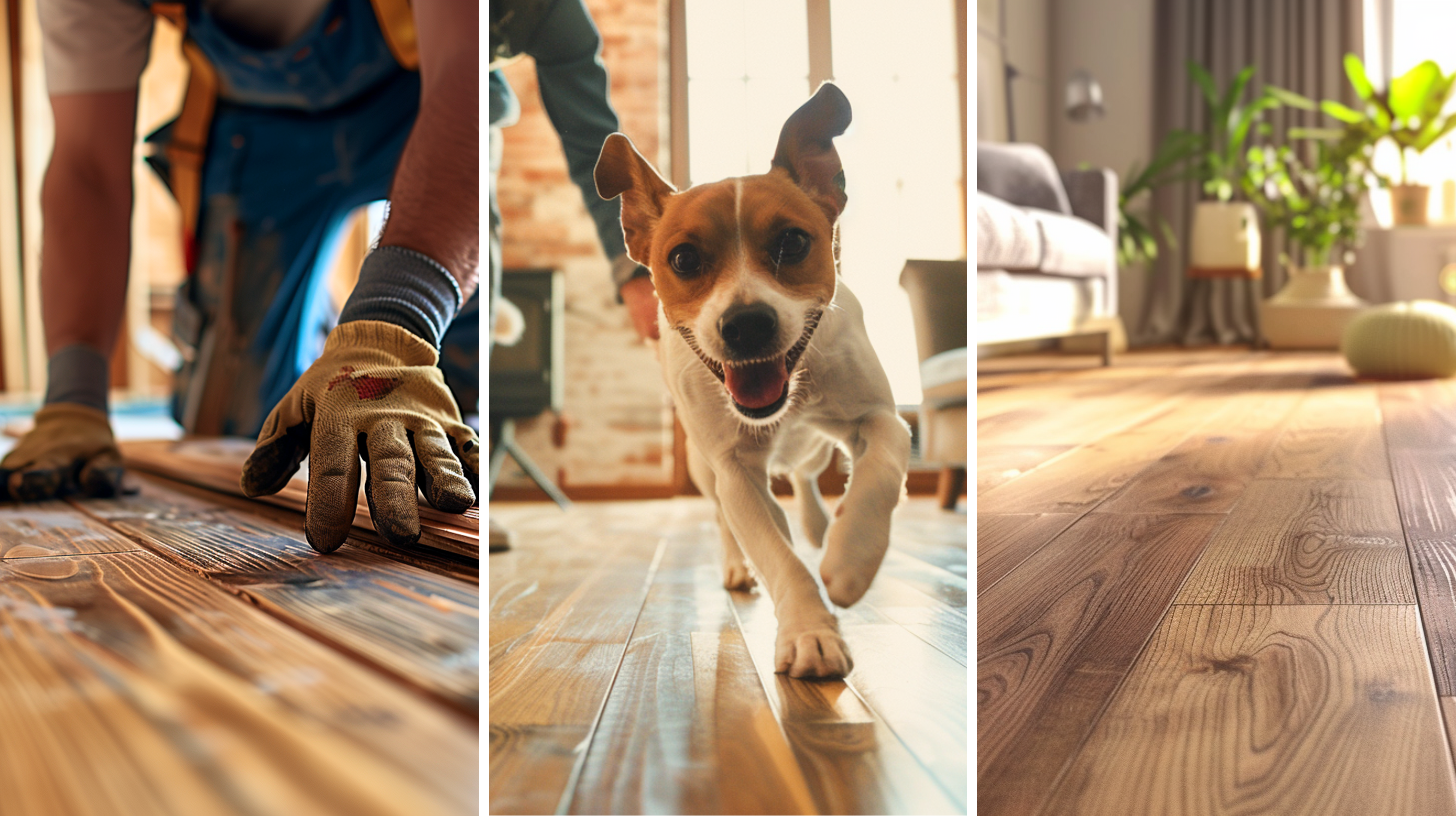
{"x":1294,"y":44}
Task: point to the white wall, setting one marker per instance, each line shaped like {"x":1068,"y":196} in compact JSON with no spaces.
{"x":1028,"y":48}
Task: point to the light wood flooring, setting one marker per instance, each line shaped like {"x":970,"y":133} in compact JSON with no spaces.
{"x":625,"y":679}
{"x":1214,"y":582}
{"x":180,"y":652}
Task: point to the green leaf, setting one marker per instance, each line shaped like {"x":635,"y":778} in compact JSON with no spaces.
{"x":1341,"y":112}
{"x":1315,"y":133}
{"x":1291,"y":98}
{"x":1355,"y":70}
{"x":1205,"y":82}
{"x":1410,"y":91}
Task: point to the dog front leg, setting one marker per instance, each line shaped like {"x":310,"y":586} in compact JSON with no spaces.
{"x":860,"y":533}
{"x":808,"y":642}
{"x":736,"y":574}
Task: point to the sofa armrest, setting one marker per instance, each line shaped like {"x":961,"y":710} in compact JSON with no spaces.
{"x":1093,"y":195}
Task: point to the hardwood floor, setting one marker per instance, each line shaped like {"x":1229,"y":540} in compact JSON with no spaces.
{"x":173,"y":652}
{"x":625,"y":679}
{"x":1214,"y":582}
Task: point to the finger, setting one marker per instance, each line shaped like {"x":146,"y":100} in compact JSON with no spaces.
{"x":439,"y":473}
{"x":276,"y":458}
{"x":393,"y":498}
{"x":333,"y":490}
{"x":100,"y":476}
{"x":466,"y":447}
{"x":38,"y":482}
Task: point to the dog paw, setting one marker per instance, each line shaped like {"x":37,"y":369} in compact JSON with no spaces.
{"x":819,"y":652}
{"x":850,"y":563}
{"x":738,"y":576}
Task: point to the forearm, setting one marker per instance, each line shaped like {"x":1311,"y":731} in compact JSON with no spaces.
{"x":435,"y":199}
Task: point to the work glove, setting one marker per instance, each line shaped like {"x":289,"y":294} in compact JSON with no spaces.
{"x":374,"y":393}
{"x":69,"y":450}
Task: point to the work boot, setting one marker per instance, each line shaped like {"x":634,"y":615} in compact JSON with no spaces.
{"x":500,"y":537}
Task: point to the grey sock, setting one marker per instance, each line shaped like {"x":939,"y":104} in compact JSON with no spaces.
{"x":78,"y":374}
{"x":406,"y":288}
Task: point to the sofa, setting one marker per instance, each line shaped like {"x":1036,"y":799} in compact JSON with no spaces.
{"x":1046,"y":260}
{"x":937,"y":293}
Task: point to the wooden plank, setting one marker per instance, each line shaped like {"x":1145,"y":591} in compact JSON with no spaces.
{"x":130,"y":686}
{"x":54,"y":528}
{"x":686,"y":721}
{"x":998,"y":464}
{"x":1320,"y":710}
{"x":1004,"y":540}
{"x":1334,"y":434}
{"x":853,"y":761}
{"x":217,"y":464}
{"x":1058,"y":634}
{"x":563,"y":602}
{"x":1425,"y":487}
{"x":1208,"y":472}
{"x":1303,"y":541}
{"x":417,"y":626}
{"x":892,"y":600}
{"x":1419,"y":416}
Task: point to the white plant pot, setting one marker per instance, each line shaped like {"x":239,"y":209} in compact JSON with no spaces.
{"x":1311,"y":311}
{"x":1225,"y":240}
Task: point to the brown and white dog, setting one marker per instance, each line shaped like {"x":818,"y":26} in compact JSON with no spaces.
{"x":765,"y":353}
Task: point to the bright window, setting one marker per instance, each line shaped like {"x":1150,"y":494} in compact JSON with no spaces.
{"x":748,"y":68}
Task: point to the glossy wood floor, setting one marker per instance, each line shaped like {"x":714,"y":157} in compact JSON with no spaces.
{"x":625,"y":679}
{"x":179,"y":652}
{"x":1216,"y":582}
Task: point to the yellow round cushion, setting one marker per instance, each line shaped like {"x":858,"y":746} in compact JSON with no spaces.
{"x":1407,"y":340}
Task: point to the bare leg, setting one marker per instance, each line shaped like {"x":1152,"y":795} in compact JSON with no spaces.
{"x":860,"y":535}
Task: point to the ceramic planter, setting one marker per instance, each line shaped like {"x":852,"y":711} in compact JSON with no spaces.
{"x":1408,"y":203}
{"x":1225,"y":240}
{"x":1311,"y":311}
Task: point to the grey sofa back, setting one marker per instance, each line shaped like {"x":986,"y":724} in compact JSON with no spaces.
{"x":1022,"y":174}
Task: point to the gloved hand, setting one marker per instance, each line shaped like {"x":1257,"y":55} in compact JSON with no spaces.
{"x":374,"y":393}
{"x":70,"y":449}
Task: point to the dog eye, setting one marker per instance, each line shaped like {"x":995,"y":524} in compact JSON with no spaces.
{"x":685,"y":260}
{"x":792,"y":246}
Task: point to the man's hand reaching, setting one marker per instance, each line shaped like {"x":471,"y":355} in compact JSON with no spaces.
{"x":641,"y":300}
{"x":375,"y":394}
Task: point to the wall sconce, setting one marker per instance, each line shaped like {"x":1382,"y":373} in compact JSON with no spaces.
{"x":1084,"y":98}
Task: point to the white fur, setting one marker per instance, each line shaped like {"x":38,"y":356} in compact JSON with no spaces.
{"x":839,"y":397}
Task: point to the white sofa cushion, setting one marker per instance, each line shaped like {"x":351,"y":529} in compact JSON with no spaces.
{"x":1072,"y":246}
{"x":1007,"y":236}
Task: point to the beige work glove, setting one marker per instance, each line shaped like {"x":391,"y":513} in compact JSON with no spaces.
{"x":374,"y":393}
{"x":69,"y":450}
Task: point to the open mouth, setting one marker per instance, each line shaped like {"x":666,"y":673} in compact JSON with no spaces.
{"x":758,"y":388}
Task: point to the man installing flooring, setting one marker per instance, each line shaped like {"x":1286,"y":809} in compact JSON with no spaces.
{"x":296,"y":113}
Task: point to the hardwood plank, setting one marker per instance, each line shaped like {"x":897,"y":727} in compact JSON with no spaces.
{"x":1418,"y":416}
{"x":1004,"y":540}
{"x":1425,"y":487}
{"x":852,"y":760}
{"x":668,"y":741}
{"x":1303,"y":541}
{"x":55,"y":528}
{"x":998,"y":464}
{"x":1334,"y":434}
{"x":130,"y":686}
{"x":890,"y":600}
{"x":1058,"y":634}
{"x":418,"y":626}
{"x":932,"y":535}
{"x":1293,"y":710}
{"x":1208,"y":472}
{"x":563,"y":603}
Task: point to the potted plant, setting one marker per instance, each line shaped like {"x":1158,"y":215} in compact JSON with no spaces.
{"x":1315,"y":198}
{"x":1137,"y":239}
{"x":1225,"y":232}
{"x":1410,"y":114}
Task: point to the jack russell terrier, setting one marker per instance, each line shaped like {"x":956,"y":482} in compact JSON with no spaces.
{"x":765,"y":352}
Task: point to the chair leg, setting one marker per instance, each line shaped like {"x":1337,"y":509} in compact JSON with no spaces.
{"x":950,"y":487}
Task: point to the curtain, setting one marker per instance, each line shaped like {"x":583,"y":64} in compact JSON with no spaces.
{"x":1295,"y":44}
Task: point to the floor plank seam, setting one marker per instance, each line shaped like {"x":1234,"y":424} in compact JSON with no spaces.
{"x":583,"y":748}
{"x":921,"y":638}
{"x":919,"y":761}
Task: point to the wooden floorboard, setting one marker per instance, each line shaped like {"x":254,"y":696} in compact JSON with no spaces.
{"x":130,"y":685}
{"x":692,"y":717}
{"x":1279,"y":634}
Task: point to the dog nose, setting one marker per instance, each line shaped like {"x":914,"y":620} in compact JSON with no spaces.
{"x":748,"y":329}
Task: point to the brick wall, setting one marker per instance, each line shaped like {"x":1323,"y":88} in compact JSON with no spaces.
{"x":617,"y":429}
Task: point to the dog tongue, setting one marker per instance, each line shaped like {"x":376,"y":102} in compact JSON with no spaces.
{"x":758,"y":385}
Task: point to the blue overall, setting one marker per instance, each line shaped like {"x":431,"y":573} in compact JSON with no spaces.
{"x":300,"y":137}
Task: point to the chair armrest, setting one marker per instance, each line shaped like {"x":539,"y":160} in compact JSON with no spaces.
{"x":1093,"y":194}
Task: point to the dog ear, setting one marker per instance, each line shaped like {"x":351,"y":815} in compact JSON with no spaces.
{"x":806,"y":148}
{"x":621,"y":171}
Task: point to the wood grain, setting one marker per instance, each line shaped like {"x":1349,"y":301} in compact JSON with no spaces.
{"x":1419,"y":416}
{"x":420,"y":627}
{"x":1058,"y":634}
{"x":1004,"y":540}
{"x":1301,"y":541}
{"x":1425,"y":484}
{"x":54,"y":528}
{"x":130,"y":686}
{"x":1334,"y":434}
{"x":998,"y":464}
{"x":1323,"y":710}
